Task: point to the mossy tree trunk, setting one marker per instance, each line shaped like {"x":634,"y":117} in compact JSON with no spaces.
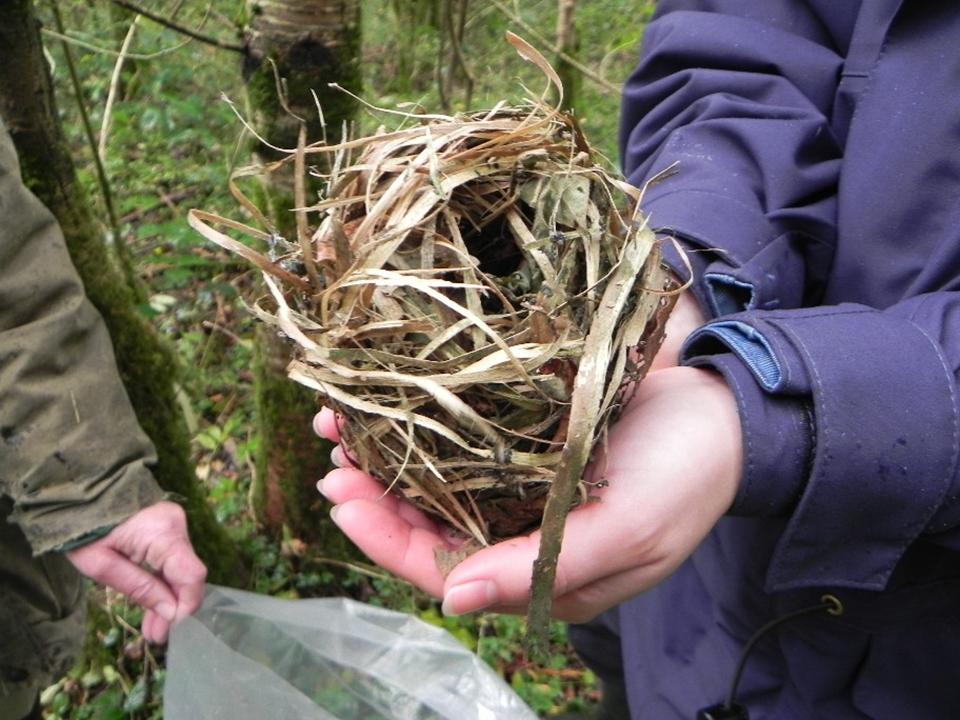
{"x":306,"y":44}
{"x":299,"y":46}
{"x":146,"y":363}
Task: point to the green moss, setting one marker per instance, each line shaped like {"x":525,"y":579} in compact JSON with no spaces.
{"x":305,"y":66}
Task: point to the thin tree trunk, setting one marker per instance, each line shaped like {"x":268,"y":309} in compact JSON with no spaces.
{"x":296,"y":48}
{"x":412,"y":16}
{"x":567,"y":45}
{"x":146,"y":364}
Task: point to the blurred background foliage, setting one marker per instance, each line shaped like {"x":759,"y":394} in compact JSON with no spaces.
{"x":169,"y":139}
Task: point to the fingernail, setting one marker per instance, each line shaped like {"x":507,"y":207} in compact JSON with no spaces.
{"x":469,"y":597}
{"x":320,"y":488}
{"x":333,"y":513}
{"x":167,"y":611}
{"x":316,"y":423}
{"x":336,"y":456}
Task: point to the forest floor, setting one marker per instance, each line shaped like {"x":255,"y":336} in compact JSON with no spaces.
{"x":171,"y":145}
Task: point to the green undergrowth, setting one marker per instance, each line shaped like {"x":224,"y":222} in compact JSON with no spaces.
{"x":172,"y":146}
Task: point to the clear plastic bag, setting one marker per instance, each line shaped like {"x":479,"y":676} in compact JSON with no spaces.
{"x":244,"y":656}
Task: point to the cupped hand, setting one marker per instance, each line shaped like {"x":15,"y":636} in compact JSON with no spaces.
{"x":672,"y":465}
{"x":149,"y":559}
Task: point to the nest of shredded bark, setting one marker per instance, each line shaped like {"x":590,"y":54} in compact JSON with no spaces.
{"x":467,"y":296}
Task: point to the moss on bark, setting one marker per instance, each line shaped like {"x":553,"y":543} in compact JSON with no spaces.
{"x":292,"y":457}
{"x":146,"y":363}
{"x":324,"y":47}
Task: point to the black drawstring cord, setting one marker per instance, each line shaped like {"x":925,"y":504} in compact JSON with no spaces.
{"x":828,"y":602}
{"x":730,"y":709}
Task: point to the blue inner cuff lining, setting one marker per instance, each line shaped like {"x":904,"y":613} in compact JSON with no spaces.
{"x":727,"y":295}
{"x":747,"y":343}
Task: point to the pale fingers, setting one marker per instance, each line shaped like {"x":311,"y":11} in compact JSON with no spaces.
{"x":158,"y":536}
{"x":149,"y":559}
{"x":393,"y":543}
{"x":112,"y":569}
{"x":345,"y":484}
{"x":154,"y":628}
{"x":341,"y":458}
{"x":185,"y":575}
{"x":325,"y":424}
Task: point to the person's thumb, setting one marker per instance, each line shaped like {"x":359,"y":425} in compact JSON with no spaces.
{"x":500,"y":575}
{"x":495,"y":576}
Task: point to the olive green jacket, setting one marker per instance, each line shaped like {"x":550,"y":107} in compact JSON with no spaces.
{"x":72,"y":456}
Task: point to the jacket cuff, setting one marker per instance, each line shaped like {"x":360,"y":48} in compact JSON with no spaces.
{"x":763,"y":274}
{"x":886,"y":438}
{"x":65,"y":523}
{"x":85,"y":539}
{"x":777,"y":440}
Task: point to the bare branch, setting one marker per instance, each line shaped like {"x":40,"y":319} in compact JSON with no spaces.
{"x":88,"y":129}
{"x":114,"y":53}
{"x":456,"y":34}
{"x":107,"y":121}
{"x":167,"y":23}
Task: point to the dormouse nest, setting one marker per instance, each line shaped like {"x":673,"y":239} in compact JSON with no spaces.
{"x":470,"y":299}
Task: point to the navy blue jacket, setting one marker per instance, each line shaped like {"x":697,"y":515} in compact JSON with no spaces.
{"x":817,"y":146}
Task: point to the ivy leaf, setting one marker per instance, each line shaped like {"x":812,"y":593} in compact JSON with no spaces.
{"x":107,"y":705}
{"x":137,"y":697}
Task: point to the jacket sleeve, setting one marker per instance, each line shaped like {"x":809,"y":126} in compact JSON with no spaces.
{"x":72,"y":456}
{"x":736,"y":98}
{"x":882,"y":468}
{"x":849,"y":413}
